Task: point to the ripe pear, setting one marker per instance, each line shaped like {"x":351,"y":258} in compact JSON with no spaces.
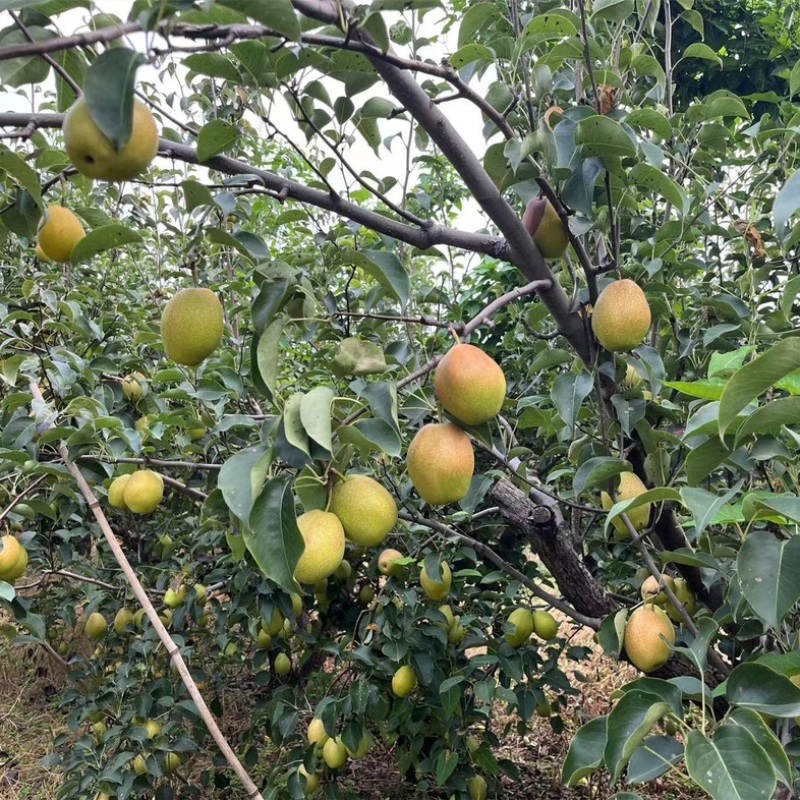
{"x":652,"y":590}
{"x":545,"y":625}
{"x":316,"y":732}
{"x":630,"y":486}
{"x":621,"y":316}
{"x":470,"y":385}
{"x":10,"y":557}
{"x":96,"y":626}
{"x":116,"y":491}
{"x":173,"y":598}
{"x":94,"y":155}
{"x":324,"y":545}
{"x":59,"y":231}
{"x":132,"y":386}
{"x":123,"y":620}
{"x":542,"y":222}
{"x":521,"y":619}
{"x":191,"y":325}
{"x":686,"y":596}
{"x":404,"y":681}
{"x":642,"y":640}
{"x":441,"y":463}
{"x":365,"y":508}
{"x":436,"y":590}
{"x":143,"y":491}
{"x":387,"y":562}
{"x":334,"y":753}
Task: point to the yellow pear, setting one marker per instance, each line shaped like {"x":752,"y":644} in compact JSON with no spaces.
{"x":436,"y":589}
{"x":630,"y":486}
{"x":621,"y":316}
{"x":274,"y":625}
{"x":40,"y":254}
{"x":116,"y":491}
{"x":171,"y":763}
{"x":652,"y":590}
{"x":140,"y":765}
{"x":324,"y":546}
{"x":20,"y":565}
{"x":93,"y":154}
{"x":132,"y":386}
{"x":316,"y":732}
{"x":470,"y":384}
{"x":441,"y":463}
{"x":96,"y":626}
{"x":542,"y":222}
{"x":191,"y":325}
{"x":59,"y":231}
{"x":521,"y":620}
{"x":545,"y":625}
{"x":642,"y":640}
{"x":404,"y":681}
{"x":9,"y":557}
{"x":143,"y":491}
{"x":283,"y":665}
{"x":311,"y":780}
{"x":387,"y":561}
{"x":123,"y":621}
{"x":366,"y":509}
{"x":334,"y":753}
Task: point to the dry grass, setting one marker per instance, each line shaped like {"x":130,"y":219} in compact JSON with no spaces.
{"x":30,"y":678}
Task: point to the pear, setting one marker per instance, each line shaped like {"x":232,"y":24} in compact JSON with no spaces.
{"x":365,"y":508}
{"x":436,"y":589}
{"x":404,"y":681}
{"x":470,"y":385}
{"x":143,"y":491}
{"x":643,"y":641}
{"x":652,"y":590}
{"x":324,"y":546}
{"x":116,"y":491}
{"x":542,"y":222}
{"x":59,"y":231}
{"x":545,"y":625}
{"x":387,"y":562}
{"x":441,"y":463}
{"x":630,"y":486}
{"x":621,"y":316}
{"x":94,"y":155}
{"x":521,"y":620}
{"x":192,"y":325}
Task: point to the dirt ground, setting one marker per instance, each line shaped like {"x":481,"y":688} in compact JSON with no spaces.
{"x":30,"y":721}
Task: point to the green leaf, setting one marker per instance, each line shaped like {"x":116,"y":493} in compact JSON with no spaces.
{"x":569,"y":391}
{"x":612,"y":632}
{"x":272,"y":535}
{"x":476,"y":17}
{"x":469,"y":54}
{"x":267,"y":354}
{"x":196,"y":195}
{"x":655,"y":180}
{"x":585,"y":753}
{"x":700,"y":50}
{"x":651,"y":120}
{"x":28,"y":69}
{"x":612,"y":10}
{"x":786,"y":204}
{"x":596,"y":472}
{"x":241,"y":478}
{"x":770,"y":417}
{"x":727,"y":106}
{"x":279,"y":15}
{"x":629,"y":722}
{"x":215,"y":65}
{"x":653,"y":758}
{"x":214,"y":138}
{"x":375,"y":25}
{"x":16,"y":167}
{"x":765,"y":736}
{"x":603,"y":137}
{"x":315,"y":414}
{"x":768,"y":570}
{"x":293,"y":424}
{"x":756,"y":377}
{"x":101,"y":239}
{"x":385,"y":267}
{"x":370,"y":435}
{"x":704,"y":505}
{"x":758,"y":687}
{"x":732,"y":767}
{"x":794,"y":79}
{"x":108,"y":89}
{"x":703,"y":459}
{"x":657,"y":495}
{"x":269,"y":300}
{"x":704,"y":389}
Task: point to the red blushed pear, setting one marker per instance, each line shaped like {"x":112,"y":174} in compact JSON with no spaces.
{"x":542,"y":222}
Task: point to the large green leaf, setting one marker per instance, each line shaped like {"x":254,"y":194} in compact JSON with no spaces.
{"x":770,"y":417}
{"x":765,"y":736}
{"x":216,"y":137}
{"x":603,"y":137}
{"x":631,"y":719}
{"x":315,"y":414}
{"x":569,"y":391}
{"x":27,"y":69}
{"x":756,"y":377}
{"x":272,"y":535}
{"x":732,"y":767}
{"x":612,"y":10}
{"x":293,"y":425}
{"x":17,"y":168}
{"x":656,"y":180}
{"x":758,"y":687}
{"x":654,"y":756}
{"x":658,"y":495}
{"x":704,"y":505}
{"x":786,"y":205}
{"x":385,"y":267}
{"x":241,"y":478}
{"x":585,"y":753}
{"x":768,"y":570}
{"x":276,"y":14}
{"x":101,"y":239}
{"x":596,"y":472}
{"x":215,"y":65}
{"x":108,"y":89}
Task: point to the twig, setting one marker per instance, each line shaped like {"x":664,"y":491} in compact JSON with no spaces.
{"x":195,"y":494}
{"x":18,"y":498}
{"x":422,"y":320}
{"x":503,"y":565}
{"x":172,"y":649}
{"x":154,"y":462}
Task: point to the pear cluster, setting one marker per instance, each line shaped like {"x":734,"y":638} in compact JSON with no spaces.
{"x":471,"y":387}
{"x":139,"y":492}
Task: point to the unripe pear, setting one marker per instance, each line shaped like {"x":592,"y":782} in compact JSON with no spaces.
{"x":366,"y":509}
{"x":283,"y":665}
{"x":630,"y":486}
{"x":686,"y":596}
{"x":542,"y":222}
{"x":93,"y":154}
{"x":96,"y":626}
{"x":621,"y":316}
{"x":132,"y":387}
{"x":404,"y":681}
{"x":643,"y":641}
{"x":436,"y":589}
{"x":545,"y":625}
{"x":312,"y":781}
{"x":441,"y":463}
{"x":470,"y":385}
{"x":122,"y":621}
{"x":274,"y":625}
{"x":521,"y":620}
{"x":334,"y":753}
